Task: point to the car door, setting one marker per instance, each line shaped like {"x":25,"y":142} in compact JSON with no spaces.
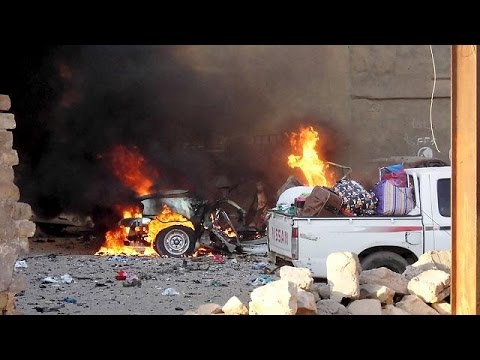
{"x":440,"y":187}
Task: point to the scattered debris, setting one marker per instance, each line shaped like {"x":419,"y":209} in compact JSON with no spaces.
{"x":261,"y":280}
{"x":45,"y":309}
{"x":216,"y":283}
{"x":49,"y":280}
{"x":178,"y":309}
{"x":121,"y":275}
{"x":170,"y":292}
{"x":70,"y":300}
{"x":144,"y":276}
{"x":219,"y":259}
{"x":132,"y":280}
{"x":260,"y":266}
{"x":120,"y":259}
{"x":21,"y":264}
{"x":66,"y":279}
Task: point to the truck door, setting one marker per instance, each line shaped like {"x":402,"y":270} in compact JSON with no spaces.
{"x":440,"y":229}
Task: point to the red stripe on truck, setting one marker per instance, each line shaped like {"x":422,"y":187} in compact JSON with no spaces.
{"x":379,"y":229}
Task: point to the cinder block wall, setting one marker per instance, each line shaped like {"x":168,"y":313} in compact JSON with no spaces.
{"x":15,"y":226}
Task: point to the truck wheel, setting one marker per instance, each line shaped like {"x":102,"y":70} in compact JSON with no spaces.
{"x":175,"y":241}
{"x":387,"y":259}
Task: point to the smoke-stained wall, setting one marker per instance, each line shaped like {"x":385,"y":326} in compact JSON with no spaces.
{"x":390,"y":91}
{"x":77,"y":102}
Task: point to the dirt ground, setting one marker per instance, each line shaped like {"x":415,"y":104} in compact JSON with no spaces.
{"x":95,"y":289}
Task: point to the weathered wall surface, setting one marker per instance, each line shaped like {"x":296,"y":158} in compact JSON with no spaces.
{"x":390,"y":91}
{"x":15,"y":227}
{"x":375,"y":97}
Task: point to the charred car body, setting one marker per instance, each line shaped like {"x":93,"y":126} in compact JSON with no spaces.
{"x":199,"y":222}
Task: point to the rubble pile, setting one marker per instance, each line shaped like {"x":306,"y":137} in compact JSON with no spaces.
{"x":423,"y":289}
{"x":15,"y":227}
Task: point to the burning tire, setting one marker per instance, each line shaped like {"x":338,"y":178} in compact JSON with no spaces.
{"x":175,"y":241}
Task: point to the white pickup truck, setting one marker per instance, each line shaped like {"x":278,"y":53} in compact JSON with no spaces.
{"x":393,"y":242}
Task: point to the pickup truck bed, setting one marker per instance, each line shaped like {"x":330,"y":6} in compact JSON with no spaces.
{"x":316,"y":238}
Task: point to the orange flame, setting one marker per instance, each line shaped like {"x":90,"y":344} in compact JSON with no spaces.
{"x":314,"y":169}
{"x":203,"y":251}
{"x":132,"y":169}
{"x":115,"y":239}
{"x":166,"y":219}
{"x":114,"y":243}
{"x":134,"y":172}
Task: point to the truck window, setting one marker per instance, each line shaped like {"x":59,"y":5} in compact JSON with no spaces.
{"x":443,"y":194}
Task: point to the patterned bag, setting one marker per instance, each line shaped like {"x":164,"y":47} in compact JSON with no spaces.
{"x":356,"y":200}
{"x":393,"y":200}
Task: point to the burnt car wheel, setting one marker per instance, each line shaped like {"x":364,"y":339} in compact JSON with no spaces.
{"x":175,"y":241}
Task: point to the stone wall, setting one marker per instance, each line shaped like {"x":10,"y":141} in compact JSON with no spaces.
{"x":15,"y":226}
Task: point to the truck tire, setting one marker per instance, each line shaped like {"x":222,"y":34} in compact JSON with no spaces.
{"x":387,"y":259}
{"x":175,"y":241}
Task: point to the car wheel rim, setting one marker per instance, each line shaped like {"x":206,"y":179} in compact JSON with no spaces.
{"x":176,"y":242}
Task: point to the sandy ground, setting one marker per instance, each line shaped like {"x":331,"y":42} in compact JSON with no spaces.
{"x":94,"y":289}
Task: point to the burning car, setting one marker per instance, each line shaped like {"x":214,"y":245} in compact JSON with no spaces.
{"x":171,"y":223}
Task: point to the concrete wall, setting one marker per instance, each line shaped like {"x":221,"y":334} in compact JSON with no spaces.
{"x":390,"y":91}
{"x":15,"y":227}
{"x":375,"y":97}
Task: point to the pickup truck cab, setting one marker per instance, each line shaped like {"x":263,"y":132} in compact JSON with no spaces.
{"x":389,"y":241}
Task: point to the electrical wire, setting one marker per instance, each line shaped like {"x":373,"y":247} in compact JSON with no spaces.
{"x":434,"y":141}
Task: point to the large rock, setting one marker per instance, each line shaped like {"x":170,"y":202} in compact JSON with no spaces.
{"x":22,"y":211}
{"x":7,"y":121}
{"x":380,"y":292}
{"x":8,"y":256}
{"x":431,"y":260}
{"x":5,"y":103}
{"x":393,"y":310}
{"x":234,"y":306}
{"x":276,"y":298}
{"x":3,"y":300}
{"x":306,"y":303}
{"x":365,"y":307}
{"x":385,"y":277}
{"x":443,"y":308}
{"x":323,"y":290}
{"x":6,"y":139}
{"x":302,"y":277}
{"x":6,"y":174}
{"x":431,"y":285}
{"x":331,"y":307}
{"x":414,"y":305}
{"x":9,"y":191}
{"x":26,"y":228}
{"x":209,"y":309}
{"x":343,"y":271}
{"x":7,"y":303}
{"x":8,"y":157}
